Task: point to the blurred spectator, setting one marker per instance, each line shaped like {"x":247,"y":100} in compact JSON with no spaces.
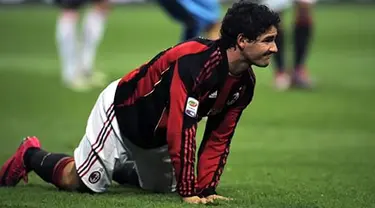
{"x":77,"y":60}
{"x":303,"y":22}
{"x":196,"y":16}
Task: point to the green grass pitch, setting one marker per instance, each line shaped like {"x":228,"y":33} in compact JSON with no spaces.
{"x":294,"y":149}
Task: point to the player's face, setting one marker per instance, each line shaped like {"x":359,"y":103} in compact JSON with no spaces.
{"x":259,"y":51}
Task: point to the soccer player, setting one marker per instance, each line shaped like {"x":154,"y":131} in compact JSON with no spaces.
{"x":77,"y":50}
{"x":149,"y":117}
{"x":196,"y":16}
{"x":303,"y":24}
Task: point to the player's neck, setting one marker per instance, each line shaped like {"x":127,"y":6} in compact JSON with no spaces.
{"x":236,"y":65}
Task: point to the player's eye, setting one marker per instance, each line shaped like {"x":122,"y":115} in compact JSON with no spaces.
{"x":269,"y":39}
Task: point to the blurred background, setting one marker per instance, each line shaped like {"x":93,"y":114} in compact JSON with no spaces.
{"x":312,"y":146}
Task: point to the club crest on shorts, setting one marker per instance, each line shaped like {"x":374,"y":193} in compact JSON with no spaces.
{"x":94,"y":177}
{"x":191,"y":108}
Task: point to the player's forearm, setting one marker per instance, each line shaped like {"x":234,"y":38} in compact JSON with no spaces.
{"x":183,"y":159}
{"x":211,"y":166}
{"x":213,"y":153}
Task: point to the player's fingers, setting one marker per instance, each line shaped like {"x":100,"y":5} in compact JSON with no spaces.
{"x":192,"y":200}
{"x":218,"y":197}
{"x":209,"y":200}
{"x":224,"y":198}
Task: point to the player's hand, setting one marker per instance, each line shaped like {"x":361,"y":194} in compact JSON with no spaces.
{"x":216,"y":197}
{"x":196,"y":200}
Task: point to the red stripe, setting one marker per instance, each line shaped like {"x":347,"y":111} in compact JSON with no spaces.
{"x":212,"y":66}
{"x":93,"y":162}
{"x":130,"y":75}
{"x":212,"y":58}
{"x":214,"y":54}
{"x":154,"y":72}
{"x":192,"y":159}
{"x":98,"y":138}
{"x":206,"y":72}
{"x":220,"y":170}
{"x":91,"y":154}
{"x":209,"y":73}
{"x":147,"y":83}
{"x":175,"y":131}
{"x":183,"y":186}
{"x":188,"y":159}
{"x":190,"y":155}
{"x":223,"y":95}
{"x":106,"y":136}
{"x":58,"y":170}
{"x":216,"y":150}
{"x":108,"y":110}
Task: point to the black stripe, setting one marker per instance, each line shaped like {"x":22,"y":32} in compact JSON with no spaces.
{"x":100,"y":133}
{"x":100,"y":137}
{"x":101,"y":142}
{"x":93,"y":149}
{"x":126,"y":89}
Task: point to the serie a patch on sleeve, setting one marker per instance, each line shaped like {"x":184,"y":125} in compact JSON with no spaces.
{"x":191,"y":108}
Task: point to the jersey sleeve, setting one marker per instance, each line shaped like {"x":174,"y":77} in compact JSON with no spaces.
{"x":181,"y":131}
{"x":214,"y":149}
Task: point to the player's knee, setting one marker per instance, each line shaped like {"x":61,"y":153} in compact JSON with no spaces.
{"x":70,"y":180}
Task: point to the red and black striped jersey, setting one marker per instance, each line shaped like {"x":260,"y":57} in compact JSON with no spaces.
{"x":162,"y":101}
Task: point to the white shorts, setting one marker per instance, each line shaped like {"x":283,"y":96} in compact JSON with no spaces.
{"x":103,"y":150}
{"x":280,"y":5}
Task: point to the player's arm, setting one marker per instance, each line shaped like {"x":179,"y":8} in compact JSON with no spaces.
{"x":214,"y":149}
{"x":181,"y":131}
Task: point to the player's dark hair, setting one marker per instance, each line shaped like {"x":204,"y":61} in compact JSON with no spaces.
{"x":248,"y":18}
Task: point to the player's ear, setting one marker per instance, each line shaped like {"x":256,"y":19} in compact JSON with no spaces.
{"x":241,"y":41}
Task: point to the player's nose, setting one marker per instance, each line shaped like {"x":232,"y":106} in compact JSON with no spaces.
{"x":273,"y":48}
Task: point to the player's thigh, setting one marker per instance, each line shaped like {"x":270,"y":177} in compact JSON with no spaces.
{"x":154,"y":168}
{"x":101,"y":147}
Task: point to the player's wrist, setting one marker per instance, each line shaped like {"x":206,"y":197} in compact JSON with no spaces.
{"x":207,"y":192}
{"x":185,"y":194}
